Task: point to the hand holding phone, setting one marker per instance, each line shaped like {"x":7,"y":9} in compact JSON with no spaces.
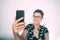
{"x":19,"y":23}
{"x":19,"y":14}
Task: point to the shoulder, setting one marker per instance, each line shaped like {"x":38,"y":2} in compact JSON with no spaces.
{"x":29,"y":24}
{"x":45,"y":29}
{"x":29,"y":27}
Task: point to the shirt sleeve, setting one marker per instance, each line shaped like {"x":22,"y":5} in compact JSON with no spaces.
{"x":27,"y":27}
{"x":46,"y":30}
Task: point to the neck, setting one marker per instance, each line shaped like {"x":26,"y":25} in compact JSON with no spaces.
{"x":36,"y":26}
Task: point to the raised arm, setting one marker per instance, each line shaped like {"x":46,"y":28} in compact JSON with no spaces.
{"x":18,"y":27}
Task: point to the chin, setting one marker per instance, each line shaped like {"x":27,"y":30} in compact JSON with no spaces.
{"x":36,"y":23}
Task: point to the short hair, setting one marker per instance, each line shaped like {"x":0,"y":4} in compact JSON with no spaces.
{"x":39,"y":11}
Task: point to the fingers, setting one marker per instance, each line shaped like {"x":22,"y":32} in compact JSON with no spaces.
{"x":20,"y":27}
{"x":19,"y":24}
{"x":17,"y":29}
{"x":19,"y":19}
{"x":16,"y":21}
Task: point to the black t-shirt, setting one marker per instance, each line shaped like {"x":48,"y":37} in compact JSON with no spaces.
{"x":42,"y":30}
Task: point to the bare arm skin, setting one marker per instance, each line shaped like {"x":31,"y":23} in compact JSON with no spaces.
{"x":16,"y":27}
{"x":46,"y":36}
{"x":22,"y":37}
{"x":24,"y":34}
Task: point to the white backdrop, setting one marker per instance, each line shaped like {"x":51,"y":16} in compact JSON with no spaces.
{"x":51,"y":9}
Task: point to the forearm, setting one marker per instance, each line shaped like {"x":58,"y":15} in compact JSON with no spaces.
{"x":22,"y":37}
{"x":17,"y":36}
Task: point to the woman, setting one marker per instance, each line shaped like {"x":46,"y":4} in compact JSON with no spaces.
{"x":33,"y":31}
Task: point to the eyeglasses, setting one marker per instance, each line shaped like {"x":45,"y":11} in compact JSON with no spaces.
{"x":37,"y":16}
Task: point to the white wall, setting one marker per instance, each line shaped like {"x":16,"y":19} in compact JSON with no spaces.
{"x":51,"y":19}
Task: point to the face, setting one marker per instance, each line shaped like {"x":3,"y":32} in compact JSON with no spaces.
{"x":37,"y":18}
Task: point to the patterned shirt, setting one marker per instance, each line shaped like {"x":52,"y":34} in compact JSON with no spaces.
{"x":42,"y":29}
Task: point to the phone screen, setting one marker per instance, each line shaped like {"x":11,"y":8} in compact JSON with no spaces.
{"x":19,"y":14}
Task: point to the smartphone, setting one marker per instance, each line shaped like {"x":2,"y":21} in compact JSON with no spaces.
{"x":19,"y":14}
